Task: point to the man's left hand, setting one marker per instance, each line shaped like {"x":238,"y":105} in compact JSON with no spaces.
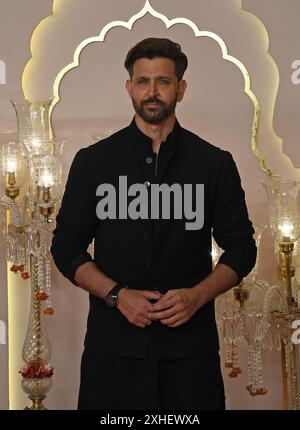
{"x":176,"y":307}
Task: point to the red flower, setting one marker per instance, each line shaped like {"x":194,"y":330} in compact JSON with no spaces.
{"x":36,"y":370}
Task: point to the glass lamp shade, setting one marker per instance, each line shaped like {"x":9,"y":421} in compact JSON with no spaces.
{"x":57,"y":147}
{"x":13,"y":165}
{"x":46,"y":175}
{"x":284,"y":209}
{"x":33,"y":125}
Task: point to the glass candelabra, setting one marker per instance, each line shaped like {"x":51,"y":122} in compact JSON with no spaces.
{"x":240,"y":319}
{"x":261,"y":313}
{"x":31,"y":170}
{"x":284,"y":221}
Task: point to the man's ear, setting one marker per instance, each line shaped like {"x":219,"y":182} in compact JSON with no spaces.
{"x":181,"y":90}
{"x":128,"y":86}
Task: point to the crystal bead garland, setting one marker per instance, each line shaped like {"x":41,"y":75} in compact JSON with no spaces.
{"x":250,"y":368}
{"x":231,"y":334}
{"x":48,"y":310}
{"x":235,"y":360}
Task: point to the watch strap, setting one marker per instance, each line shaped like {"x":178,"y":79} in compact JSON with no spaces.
{"x":112,"y":296}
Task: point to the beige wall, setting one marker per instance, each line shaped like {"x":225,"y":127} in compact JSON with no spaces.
{"x":215,"y":106}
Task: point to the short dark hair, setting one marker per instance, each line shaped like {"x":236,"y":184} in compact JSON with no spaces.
{"x":157,"y":48}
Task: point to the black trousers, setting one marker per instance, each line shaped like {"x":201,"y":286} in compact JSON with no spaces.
{"x":111,"y":382}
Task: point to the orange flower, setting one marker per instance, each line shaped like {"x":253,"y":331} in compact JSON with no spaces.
{"x":48,"y":311}
{"x":41,"y":295}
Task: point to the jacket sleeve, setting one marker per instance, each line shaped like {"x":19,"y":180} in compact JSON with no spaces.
{"x":76,"y":220}
{"x":232,"y":229}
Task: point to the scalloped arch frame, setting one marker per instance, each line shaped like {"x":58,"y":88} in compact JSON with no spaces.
{"x":198,"y":33}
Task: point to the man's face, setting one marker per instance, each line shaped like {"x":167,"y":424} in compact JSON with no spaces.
{"x":154,"y":89}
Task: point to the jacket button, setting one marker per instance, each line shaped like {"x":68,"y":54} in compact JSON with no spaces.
{"x":147,"y":184}
{"x":149,"y":160}
{"x":146,"y":235}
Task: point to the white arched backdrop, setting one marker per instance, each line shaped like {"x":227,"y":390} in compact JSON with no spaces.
{"x":93,"y":98}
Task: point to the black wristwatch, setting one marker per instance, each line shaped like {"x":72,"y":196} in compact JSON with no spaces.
{"x":111,"y":298}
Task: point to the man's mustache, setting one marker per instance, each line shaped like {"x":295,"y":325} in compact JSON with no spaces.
{"x":152,"y":100}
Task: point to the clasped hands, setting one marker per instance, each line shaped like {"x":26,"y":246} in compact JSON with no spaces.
{"x":173,"y":309}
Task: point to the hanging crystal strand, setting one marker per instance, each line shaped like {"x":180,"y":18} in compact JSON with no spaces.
{"x":250,"y":368}
{"x":40,"y":273}
{"x":255,"y":387}
{"x":235,"y":369}
{"x":32,"y":239}
{"x":10,"y":246}
{"x":24,"y":254}
{"x":260,"y":335}
{"x":296,"y":350}
{"x":12,"y":234}
{"x":292,"y":377}
{"x":27,"y":208}
{"x":287,"y":365}
{"x":48,"y":310}
{"x":250,"y":359}
{"x":258,"y":376}
{"x":254,"y":377}
{"x":237,"y":337}
{"x":269,"y":340}
{"x":277,"y":339}
{"x":228,"y":349}
{"x":228,"y":355}
{"x":12,"y":254}
{"x":234,"y":334}
{"x":16,"y":216}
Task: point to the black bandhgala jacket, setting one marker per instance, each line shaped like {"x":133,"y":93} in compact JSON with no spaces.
{"x":153,"y":254}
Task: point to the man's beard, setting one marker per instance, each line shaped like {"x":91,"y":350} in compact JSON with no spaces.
{"x":154,"y":115}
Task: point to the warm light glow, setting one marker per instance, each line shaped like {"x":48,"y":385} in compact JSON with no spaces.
{"x":286,"y":230}
{"x":46,"y":179}
{"x":35,"y":143}
{"x":11,"y":166}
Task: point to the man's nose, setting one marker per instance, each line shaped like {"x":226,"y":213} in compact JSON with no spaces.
{"x":153,"y":89}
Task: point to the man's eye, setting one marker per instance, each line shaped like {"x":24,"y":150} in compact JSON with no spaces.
{"x":164,"y":81}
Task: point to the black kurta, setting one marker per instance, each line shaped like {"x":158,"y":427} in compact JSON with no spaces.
{"x":153,"y":254}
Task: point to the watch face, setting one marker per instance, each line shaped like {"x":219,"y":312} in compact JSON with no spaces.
{"x":111,"y":300}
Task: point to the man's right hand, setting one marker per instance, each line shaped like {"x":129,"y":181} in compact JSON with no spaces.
{"x":135,"y":305}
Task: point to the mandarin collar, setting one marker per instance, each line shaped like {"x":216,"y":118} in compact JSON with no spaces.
{"x":139,"y":136}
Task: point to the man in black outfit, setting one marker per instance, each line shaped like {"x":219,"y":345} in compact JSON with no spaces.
{"x":151,"y":340}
